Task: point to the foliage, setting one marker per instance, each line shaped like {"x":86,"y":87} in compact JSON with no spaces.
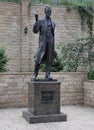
{"x":79,"y":54}
{"x":16,"y":1}
{"x":91,"y":75}
{"x":64,"y":2}
{"x":42,"y":1}
{"x":3,"y":60}
{"x":75,"y":55}
{"x":85,"y":9}
{"x":70,"y":60}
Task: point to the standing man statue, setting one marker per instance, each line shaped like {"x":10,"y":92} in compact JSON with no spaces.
{"x":45,"y":27}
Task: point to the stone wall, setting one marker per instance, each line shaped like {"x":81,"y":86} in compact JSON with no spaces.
{"x":20,"y":47}
{"x":14,"y":88}
{"x":10,"y":33}
{"x":71,"y":87}
{"x":89,"y":93}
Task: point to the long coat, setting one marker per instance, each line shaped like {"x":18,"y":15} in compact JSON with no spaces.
{"x":41,"y":27}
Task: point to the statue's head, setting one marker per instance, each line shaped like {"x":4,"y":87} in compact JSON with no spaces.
{"x":47,"y":11}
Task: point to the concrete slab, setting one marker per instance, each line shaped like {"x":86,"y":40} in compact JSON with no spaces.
{"x":79,"y":118}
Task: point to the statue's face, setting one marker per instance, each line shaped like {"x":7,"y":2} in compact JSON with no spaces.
{"x":48,"y":12}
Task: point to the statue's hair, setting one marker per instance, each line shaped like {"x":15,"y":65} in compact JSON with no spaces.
{"x":47,"y":7}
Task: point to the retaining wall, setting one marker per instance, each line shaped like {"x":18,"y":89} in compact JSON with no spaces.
{"x":14,"y":88}
{"x":89,"y":93}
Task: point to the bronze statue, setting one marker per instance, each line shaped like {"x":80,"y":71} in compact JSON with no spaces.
{"x":45,"y":26}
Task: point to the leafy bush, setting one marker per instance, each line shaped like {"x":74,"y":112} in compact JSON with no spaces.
{"x":79,"y":54}
{"x":74,"y":55}
{"x":91,"y":75}
{"x":3,"y":60}
{"x":71,"y":57}
{"x":63,"y":2}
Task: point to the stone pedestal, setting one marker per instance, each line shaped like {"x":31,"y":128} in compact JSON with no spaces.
{"x":44,"y":102}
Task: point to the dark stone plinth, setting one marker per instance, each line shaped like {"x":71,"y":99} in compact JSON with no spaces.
{"x":44,"y":118}
{"x":44,"y":80}
{"x":44,"y":102}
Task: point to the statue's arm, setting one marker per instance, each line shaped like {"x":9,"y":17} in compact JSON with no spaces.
{"x":53,"y":29}
{"x":36,"y":27}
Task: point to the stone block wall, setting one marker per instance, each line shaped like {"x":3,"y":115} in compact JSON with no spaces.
{"x":14,"y":88}
{"x":10,"y":33}
{"x":72,"y":87}
{"x":89,"y":93}
{"x":21,"y":47}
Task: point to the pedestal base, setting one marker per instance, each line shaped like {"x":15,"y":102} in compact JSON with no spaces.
{"x":44,"y":102}
{"x":30,"y":118}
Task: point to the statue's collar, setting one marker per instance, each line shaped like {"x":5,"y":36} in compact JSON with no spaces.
{"x":47,"y":18}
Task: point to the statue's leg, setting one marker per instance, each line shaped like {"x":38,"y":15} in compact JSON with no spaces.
{"x":36,"y":70}
{"x":48,"y":62}
{"x":48,"y":69}
{"x":49,"y":49}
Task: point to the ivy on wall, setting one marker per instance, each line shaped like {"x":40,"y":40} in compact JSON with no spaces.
{"x":85,"y":9}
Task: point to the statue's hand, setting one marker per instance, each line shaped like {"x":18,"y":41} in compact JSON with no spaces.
{"x":36,"y":24}
{"x":36,"y":17}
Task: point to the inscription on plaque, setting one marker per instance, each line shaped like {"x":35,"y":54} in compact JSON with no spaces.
{"x":47,"y":96}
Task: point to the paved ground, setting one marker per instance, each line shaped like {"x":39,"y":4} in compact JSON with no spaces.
{"x":79,"y":118}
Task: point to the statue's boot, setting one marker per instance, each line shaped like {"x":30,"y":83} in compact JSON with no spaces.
{"x":47,"y":76}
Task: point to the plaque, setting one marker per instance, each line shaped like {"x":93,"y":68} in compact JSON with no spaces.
{"x":47,"y":96}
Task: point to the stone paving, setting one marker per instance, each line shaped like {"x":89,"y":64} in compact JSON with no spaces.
{"x":79,"y":118}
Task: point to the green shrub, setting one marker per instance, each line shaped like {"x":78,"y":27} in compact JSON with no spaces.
{"x":3,"y":60}
{"x":78,"y":54}
{"x":90,"y":75}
